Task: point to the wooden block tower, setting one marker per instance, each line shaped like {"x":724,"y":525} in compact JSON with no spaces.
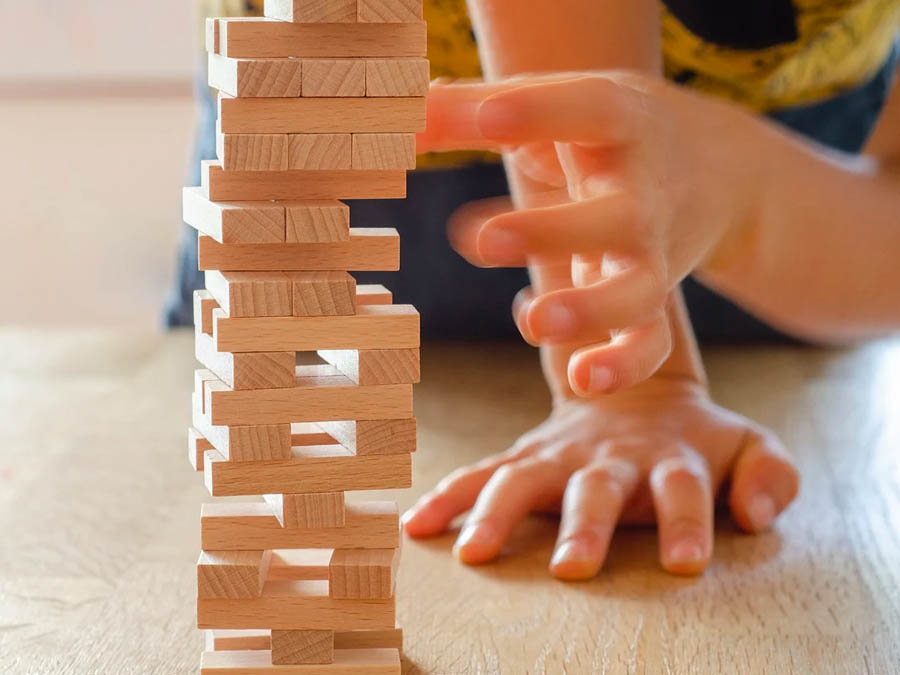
{"x":306,"y":390}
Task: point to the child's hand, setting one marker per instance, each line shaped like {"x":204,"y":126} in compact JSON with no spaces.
{"x":656,"y":452}
{"x":655,"y":178}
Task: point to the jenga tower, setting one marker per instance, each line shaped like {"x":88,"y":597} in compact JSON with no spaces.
{"x":307,"y":388}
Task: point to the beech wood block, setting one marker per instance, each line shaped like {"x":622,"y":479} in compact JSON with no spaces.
{"x":308,"y":511}
{"x":305,"y":472}
{"x":374,"y":437}
{"x":324,"y":220}
{"x":368,"y":294}
{"x":231,"y":574}
{"x":319,"y":151}
{"x":266,"y":38}
{"x":363,"y":573}
{"x":375,"y":366}
{"x":259,"y":662}
{"x":291,"y":647}
{"x":372,"y":327}
{"x":224,"y":639}
{"x":397,"y":78}
{"x":233,"y":222}
{"x":311,"y":11}
{"x":204,"y":305}
{"x":242,"y":526}
{"x":323,"y":293}
{"x":389,"y":11}
{"x":251,"y":293}
{"x":334,"y":77}
{"x":252,"y":152}
{"x":299,"y":565}
{"x":375,"y":249}
{"x":197,"y":445}
{"x":397,"y":113}
{"x":212,"y":35}
{"x":248,"y":370}
{"x":255,"y":77}
{"x":244,"y":443}
{"x":295,"y":605}
{"x":384,"y":151}
{"x":220,"y":185}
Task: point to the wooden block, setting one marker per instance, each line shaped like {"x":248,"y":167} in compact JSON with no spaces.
{"x":306,"y":472}
{"x":223,"y":639}
{"x":334,"y":77}
{"x":244,"y":443}
{"x":309,"y":433}
{"x":311,"y":11}
{"x":197,"y":445}
{"x":204,"y":305}
{"x":319,"y":151}
{"x":295,"y":605}
{"x":370,"y":294}
{"x":233,"y":222}
{"x":300,"y":565}
{"x":251,"y":293}
{"x":389,"y":11}
{"x":212,"y":35}
{"x":265,"y":38}
{"x":363,"y":573}
{"x":366,"y":249}
{"x":316,"y":221}
{"x":384,"y":151}
{"x":376,"y":366}
{"x":291,"y":647}
{"x":374,"y":437}
{"x":252,"y":152}
{"x":308,"y":511}
{"x":220,"y":185}
{"x":372,"y":327}
{"x":398,"y":114}
{"x":231,"y":574}
{"x":397,"y":78}
{"x":255,"y":77}
{"x":243,"y":526}
{"x":322,"y":293}
{"x":259,"y":662}
{"x":249,"y":370}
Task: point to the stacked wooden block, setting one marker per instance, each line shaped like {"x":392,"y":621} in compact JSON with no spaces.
{"x":306,"y":391}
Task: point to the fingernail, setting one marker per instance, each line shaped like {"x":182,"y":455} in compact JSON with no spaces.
{"x":558,"y":321}
{"x":761,"y":511}
{"x":685,"y":551}
{"x":569,"y":551}
{"x":601,"y":379}
{"x":499,"y":244}
{"x":474,"y":534}
{"x":493,"y":117}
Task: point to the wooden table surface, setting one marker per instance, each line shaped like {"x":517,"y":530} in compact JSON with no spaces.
{"x":99,"y":520}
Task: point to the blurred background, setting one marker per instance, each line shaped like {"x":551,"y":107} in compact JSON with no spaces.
{"x":96,"y":119}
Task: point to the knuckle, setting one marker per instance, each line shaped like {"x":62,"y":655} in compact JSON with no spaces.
{"x":679,"y":469}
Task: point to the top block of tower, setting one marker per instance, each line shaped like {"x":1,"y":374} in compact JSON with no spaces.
{"x":344,"y":11}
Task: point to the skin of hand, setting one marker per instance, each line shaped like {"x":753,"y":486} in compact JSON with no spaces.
{"x":658,"y":452}
{"x":646,"y":200}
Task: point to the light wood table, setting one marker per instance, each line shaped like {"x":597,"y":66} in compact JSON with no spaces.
{"x":99,"y":521}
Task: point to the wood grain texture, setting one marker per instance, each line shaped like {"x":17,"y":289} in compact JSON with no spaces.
{"x":374,"y":437}
{"x":384,"y":151}
{"x":322,"y":293}
{"x":243,"y":443}
{"x":291,"y":647}
{"x":319,"y":151}
{"x":372,"y":327}
{"x":197,"y":445}
{"x":302,"y":564}
{"x":220,"y":185}
{"x":294,"y":605}
{"x":369,"y":294}
{"x":233,"y":222}
{"x":223,"y":639}
{"x":346,"y":662}
{"x":311,"y":11}
{"x":305,"y":472}
{"x":389,"y":11}
{"x":363,"y":573}
{"x":252,"y":152}
{"x":316,"y":221}
{"x":398,"y":114}
{"x":249,"y":370}
{"x":397,"y":78}
{"x":245,"y":294}
{"x":255,"y":77}
{"x":367,"y":249}
{"x":231,"y":574}
{"x":334,"y":77}
{"x":308,"y":511}
{"x":265,"y":38}
{"x":252,"y":525}
{"x":204,"y":305}
{"x":376,"y":366}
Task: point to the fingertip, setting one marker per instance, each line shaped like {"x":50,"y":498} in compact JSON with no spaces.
{"x":477,"y":544}
{"x":588,"y":378}
{"x":574,"y":561}
{"x":420,"y":521}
